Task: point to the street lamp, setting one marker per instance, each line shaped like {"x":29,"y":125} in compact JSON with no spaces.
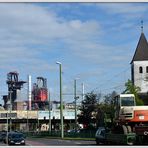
{"x":82,"y":91}
{"x":8,"y":105}
{"x":10,"y":109}
{"x":75,"y":98}
{"x":49,"y":105}
{"x":61,"y":102}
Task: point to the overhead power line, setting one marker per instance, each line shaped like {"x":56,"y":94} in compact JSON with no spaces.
{"x":115,"y":76}
{"x":121,"y":85}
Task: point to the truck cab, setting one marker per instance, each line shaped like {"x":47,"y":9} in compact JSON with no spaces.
{"x":124,"y":106}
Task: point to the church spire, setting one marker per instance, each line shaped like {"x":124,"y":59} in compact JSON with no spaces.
{"x":141,"y":53}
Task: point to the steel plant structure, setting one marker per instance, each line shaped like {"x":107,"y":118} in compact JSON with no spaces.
{"x":40,"y":94}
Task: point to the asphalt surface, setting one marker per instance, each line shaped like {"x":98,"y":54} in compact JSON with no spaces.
{"x":55,"y":142}
{"x":58,"y":142}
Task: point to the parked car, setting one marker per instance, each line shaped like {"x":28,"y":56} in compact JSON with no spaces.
{"x":15,"y":138}
{"x":3,"y":135}
{"x":100,"y":135}
{"x":72,"y":131}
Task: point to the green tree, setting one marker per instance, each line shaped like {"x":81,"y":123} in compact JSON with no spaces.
{"x":105,"y":112}
{"x":88,"y":108}
{"x":132,"y":89}
{"x":62,"y":105}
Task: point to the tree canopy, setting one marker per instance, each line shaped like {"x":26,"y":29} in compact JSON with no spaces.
{"x":105,"y":112}
{"x":88,"y":109}
{"x":132,"y":89}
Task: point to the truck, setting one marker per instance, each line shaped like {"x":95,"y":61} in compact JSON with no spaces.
{"x":130,"y":125}
{"x":131,"y":117}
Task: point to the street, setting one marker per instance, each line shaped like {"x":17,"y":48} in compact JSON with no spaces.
{"x":55,"y":142}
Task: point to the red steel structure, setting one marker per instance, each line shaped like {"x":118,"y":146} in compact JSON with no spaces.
{"x":40,"y":93}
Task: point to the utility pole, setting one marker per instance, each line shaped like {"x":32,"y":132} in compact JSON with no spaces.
{"x":29,"y":108}
{"x":38,"y":119}
{"x":7,"y":126}
{"x":82,"y":91}
{"x":10,"y":108}
{"x":75,"y":100}
{"x":27,"y":122}
{"x":61,"y":101}
{"x":49,"y":107}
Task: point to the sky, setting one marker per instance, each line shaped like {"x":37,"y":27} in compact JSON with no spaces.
{"x":95,"y":43}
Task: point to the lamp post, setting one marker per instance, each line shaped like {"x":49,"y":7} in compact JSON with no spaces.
{"x":49,"y":114}
{"x":61,"y":102}
{"x":10,"y":109}
{"x":82,"y":91}
{"x":27,"y":122}
{"x":75,"y":98}
{"x":8,"y":105}
{"x":7,"y":127}
{"x":38,"y":122}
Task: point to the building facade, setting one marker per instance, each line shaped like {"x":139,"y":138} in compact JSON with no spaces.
{"x":139,"y":65}
{"x":139,"y":68}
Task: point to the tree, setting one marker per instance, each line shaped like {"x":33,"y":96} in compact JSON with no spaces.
{"x":105,"y":112}
{"x":88,"y":108}
{"x":132,"y":89}
{"x":98,"y":97}
{"x":62,"y":105}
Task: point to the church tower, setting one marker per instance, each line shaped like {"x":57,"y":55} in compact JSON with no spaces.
{"x":139,"y":65}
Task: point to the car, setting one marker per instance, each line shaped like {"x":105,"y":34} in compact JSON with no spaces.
{"x":2,"y":135}
{"x":73,"y":131}
{"x":100,"y":135}
{"x":15,"y":138}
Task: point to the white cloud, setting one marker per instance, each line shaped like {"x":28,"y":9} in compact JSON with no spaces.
{"x":124,"y":8}
{"x":30,"y":32}
{"x":124,"y":15}
{"x":34,"y":25}
{"x":24,"y":27}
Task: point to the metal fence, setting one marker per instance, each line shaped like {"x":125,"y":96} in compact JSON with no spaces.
{"x":84,"y":134}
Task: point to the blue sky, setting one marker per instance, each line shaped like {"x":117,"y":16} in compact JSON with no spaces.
{"x":95,"y":42}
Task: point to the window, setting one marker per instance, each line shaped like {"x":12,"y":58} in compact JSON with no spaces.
{"x":102,"y":133}
{"x":146,"y":69}
{"x":127,"y":101}
{"x":140,"y":70}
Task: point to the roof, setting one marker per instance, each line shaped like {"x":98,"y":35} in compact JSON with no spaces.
{"x":141,"y":53}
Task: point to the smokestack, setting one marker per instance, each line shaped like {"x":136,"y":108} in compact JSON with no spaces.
{"x":29,"y":91}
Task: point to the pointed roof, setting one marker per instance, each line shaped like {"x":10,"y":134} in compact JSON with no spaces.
{"x":141,"y":53}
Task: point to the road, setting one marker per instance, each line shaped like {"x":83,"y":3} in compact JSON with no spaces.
{"x":58,"y":142}
{"x":55,"y":142}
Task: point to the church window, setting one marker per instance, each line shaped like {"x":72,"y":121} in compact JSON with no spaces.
{"x":140,"y":70}
{"x":146,"y":69}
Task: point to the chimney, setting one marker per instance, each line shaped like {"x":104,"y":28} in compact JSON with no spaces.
{"x":29,"y":91}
